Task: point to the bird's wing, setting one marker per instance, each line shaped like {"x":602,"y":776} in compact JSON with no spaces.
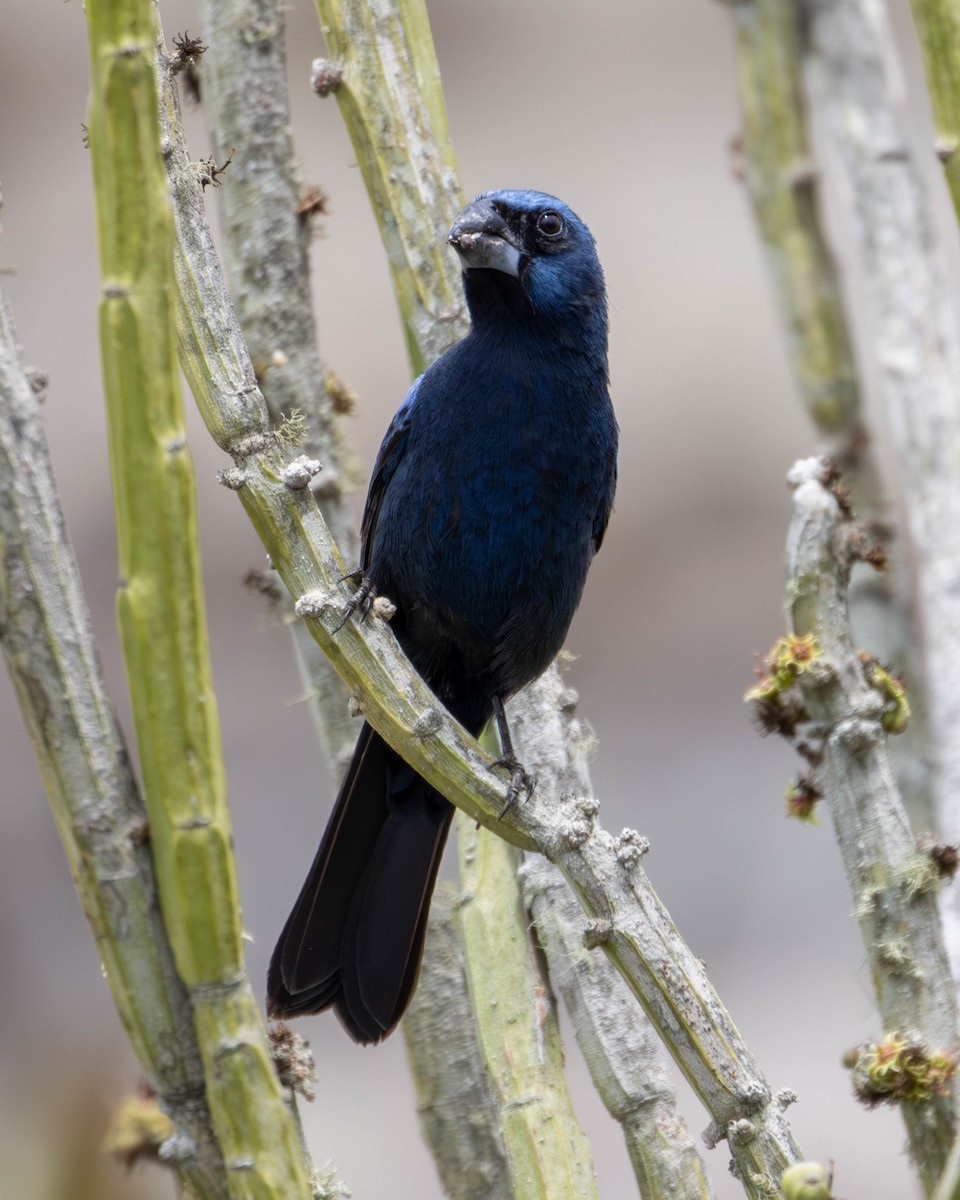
{"x":606,"y":504}
{"x":391,"y":451}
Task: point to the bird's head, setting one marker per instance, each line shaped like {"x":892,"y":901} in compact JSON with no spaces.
{"x":527,"y":253}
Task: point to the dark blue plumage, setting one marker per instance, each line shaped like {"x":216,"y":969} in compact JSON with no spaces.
{"x":489,"y":498}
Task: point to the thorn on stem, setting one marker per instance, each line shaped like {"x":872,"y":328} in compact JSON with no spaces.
{"x":188,"y":52}
{"x":313,"y":203}
{"x":210,"y":172}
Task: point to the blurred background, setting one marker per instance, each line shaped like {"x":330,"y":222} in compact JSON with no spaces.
{"x":626,"y":111}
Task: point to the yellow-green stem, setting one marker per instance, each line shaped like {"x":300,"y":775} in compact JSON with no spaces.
{"x":938,"y":29}
{"x":517,"y":1026}
{"x":385,"y":53}
{"x":781,"y":180}
{"x":159,"y":601}
{"x":160,"y":604}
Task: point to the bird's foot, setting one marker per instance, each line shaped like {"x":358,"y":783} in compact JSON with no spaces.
{"x":520,"y":781}
{"x":362,"y":599}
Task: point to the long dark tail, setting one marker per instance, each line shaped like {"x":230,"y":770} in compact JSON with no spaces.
{"x":355,"y":937}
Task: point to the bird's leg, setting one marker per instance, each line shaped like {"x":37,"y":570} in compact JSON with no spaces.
{"x":520,"y":781}
{"x":362,"y":599}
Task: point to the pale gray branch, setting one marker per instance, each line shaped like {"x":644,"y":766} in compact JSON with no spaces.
{"x":784,"y":183}
{"x":266,"y":246}
{"x":894,"y":885}
{"x":629,"y":1074}
{"x":627,"y":1062}
{"x":458,"y":1113}
{"x":49,"y":648}
{"x":914,"y":340}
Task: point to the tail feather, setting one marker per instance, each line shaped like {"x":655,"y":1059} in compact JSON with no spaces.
{"x":384,"y":931}
{"x":355,"y":936}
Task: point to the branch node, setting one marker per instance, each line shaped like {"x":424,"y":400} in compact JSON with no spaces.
{"x":713,"y":1135}
{"x":576,"y":829}
{"x":325,"y":76}
{"x":298,"y":473}
{"x":179,"y":1148}
{"x":945,"y":857}
{"x":754,"y":1097}
{"x":293,"y":1060}
{"x":428,"y":723}
{"x":313,"y":604}
{"x":568,"y":700}
{"x":857,"y":733}
{"x":631,"y":847}
{"x":597,"y":932}
{"x":741,"y":1132}
{"x":39,"y":381}
{"x":254,"y":443}
{"x":383,"y":608}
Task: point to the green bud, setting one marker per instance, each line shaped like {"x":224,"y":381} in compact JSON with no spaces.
{"x":805,"y":1181}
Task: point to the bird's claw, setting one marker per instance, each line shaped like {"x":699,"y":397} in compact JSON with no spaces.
{"x":362,"y":599}
{"x":520,"y":781}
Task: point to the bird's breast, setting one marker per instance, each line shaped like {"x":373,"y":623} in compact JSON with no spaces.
{"x":486,"y":531}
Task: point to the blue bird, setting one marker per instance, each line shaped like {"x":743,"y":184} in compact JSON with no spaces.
{"x":489,"y":498}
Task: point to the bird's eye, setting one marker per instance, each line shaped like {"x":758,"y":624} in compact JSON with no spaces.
{"x":549,"y":223}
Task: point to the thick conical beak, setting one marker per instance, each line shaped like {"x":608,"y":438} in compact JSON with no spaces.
{"x":483,"y":240}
